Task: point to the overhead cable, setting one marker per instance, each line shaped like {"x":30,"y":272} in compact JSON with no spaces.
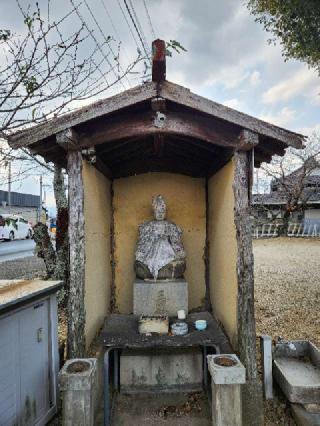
{"x":149,"y":19}
{"x":107,"y":42}
{"x":137,"y":30}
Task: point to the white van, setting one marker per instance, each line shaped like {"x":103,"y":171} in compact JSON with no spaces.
{"x":14,"y":227}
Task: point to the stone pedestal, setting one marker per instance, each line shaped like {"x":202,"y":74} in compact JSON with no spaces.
{"x":160,"y":297}
{"x":77,"y":386}
{"x":227,"y":374}
{"x":161,"y":370}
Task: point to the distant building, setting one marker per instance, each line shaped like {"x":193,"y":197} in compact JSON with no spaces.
{"x":271,"y":207}
{"x":25,"y":205}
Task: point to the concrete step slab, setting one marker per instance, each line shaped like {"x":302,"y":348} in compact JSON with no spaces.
{"x":303,"y":418}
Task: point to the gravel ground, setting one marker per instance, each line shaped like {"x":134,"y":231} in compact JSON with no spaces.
{"x":26,"y":268}
{"x":287,"y":293}
{"x":287,"y":286}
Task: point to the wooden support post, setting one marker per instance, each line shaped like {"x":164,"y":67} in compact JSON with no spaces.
{"x":252,"y":391}
{"x":76,"y":310}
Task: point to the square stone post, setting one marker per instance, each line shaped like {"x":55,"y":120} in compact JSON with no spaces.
{"x":77,"y":385}
{"x":227,"y":376}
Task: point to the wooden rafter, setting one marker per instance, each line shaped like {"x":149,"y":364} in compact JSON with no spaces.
{"x":146,"y":92}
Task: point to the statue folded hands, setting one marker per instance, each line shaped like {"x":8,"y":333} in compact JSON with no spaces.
{"x":159,"y":253}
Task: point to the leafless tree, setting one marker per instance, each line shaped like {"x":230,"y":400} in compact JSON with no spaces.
{"x":295,"y":179}
{"x":47,"y":70}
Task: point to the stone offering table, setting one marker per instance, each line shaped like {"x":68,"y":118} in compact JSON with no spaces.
{"x":121,"y":332}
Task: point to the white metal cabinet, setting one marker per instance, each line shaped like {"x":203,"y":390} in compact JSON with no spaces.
{"x":9,"y":378}
{"x":28,"y":363}
{"x":34,"y":362}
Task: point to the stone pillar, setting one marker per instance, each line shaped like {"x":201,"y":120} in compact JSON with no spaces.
{"x":77,"y":386}
{"x":227,"y":376}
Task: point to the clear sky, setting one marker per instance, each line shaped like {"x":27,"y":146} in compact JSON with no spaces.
{"x":228,"y":58}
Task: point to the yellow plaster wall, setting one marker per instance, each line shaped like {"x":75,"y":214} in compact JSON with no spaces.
{"x":223,"y":250}
{"x":97,"y":211}
{"x":185,"y":197}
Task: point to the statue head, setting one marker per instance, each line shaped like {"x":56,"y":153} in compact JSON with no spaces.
{"x":159,"y":207}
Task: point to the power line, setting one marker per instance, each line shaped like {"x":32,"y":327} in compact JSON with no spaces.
{"x":112,"y":24}
{"x":96,"y":42}
{"x":137,"y":30}
{"x":146,"y":44}
{"x":149,"y":19}
{"x":132,"y":33}
{"x":115,"y":31}
{"x":107,"y":41}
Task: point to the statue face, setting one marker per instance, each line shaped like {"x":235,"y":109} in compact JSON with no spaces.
{"x":159,"y":207}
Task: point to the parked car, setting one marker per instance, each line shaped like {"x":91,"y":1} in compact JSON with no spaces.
{"x":14,"y":227}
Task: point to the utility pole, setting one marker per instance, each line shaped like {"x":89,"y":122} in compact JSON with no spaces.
{"x":9,"y":183}
{"x":40,"y":202}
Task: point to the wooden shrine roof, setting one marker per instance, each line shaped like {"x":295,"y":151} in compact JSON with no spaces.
{"x":157,"y":126}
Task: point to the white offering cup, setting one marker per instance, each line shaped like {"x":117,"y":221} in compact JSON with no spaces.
{"x":182,"y":314}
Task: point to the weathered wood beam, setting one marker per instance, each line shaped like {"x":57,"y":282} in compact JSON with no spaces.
{"x":247,"y":140}
{"x":144,"y":124}
{"x":95,"y":110}
{"x":158,"y":104}
{"x":169,"y":91}
{"x":43,"y":147}
{"x":189,"y":154}
{"x":158,"y":144}
{"x":139,"y":165}
{"x":252,"y":391}
{"x":110,"y":147}
{"x":68,"y":139}
{"x":184,"y":97}
{"x":76,"y":309}
{"x":200,"y":145}
{"x":271,"y":147}
{"x":123,"y":151}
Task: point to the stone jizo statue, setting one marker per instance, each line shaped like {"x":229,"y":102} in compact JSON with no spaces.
{"x":159,"y":253}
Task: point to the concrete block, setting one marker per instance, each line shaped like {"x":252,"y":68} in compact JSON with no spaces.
{"x":161,"y":370}
{"x":227,"y":374}
{"x":304,"y":418}
{"x":266,"y":358}
{"x":160,"y":297}
{"x":77,"y":385}
{"x":297,"y":371}
{"x":226,"y":369}
{"x":300,"y":381}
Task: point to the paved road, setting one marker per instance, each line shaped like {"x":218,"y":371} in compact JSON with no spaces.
{"x":10,"y":250}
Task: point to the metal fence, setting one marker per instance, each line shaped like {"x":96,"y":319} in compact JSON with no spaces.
{"x":272,"y":230}
{"x":20,"y":200}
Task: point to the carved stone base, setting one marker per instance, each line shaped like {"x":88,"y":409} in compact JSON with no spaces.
{"x":172,"y":271}
{"x":160,"y":297}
